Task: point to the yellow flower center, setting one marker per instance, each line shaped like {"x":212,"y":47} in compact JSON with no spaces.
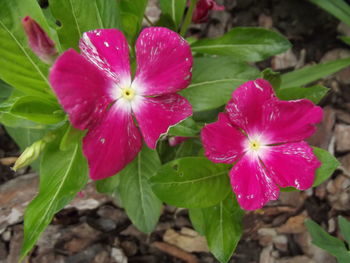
{"x":128,"y":93}
{"x":254,"y":145}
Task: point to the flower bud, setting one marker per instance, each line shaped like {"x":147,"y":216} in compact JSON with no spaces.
{"x":201,"y":12}
{"x":39,"y":41}
{"x":29,"y":155}
{"x":173,"y":141}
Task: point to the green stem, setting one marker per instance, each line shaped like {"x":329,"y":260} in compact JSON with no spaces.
{"x":188,"y":18}
{"x":148,"y":20}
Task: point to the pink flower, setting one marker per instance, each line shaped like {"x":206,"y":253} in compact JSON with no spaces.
{"x":263,"y":137}
{"x":95,"y":88}
{"x":39,"y":41}
{"x":201,"y":12}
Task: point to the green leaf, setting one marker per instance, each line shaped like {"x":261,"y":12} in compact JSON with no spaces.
{"x":140,"y":203}
{"x":78,"y":16}
{"x":191,"y":182}
{"x":314,"y":93}
{"x":328,"y":166}
{"x":108,"y":185}
{"x":71,"y":137}
{"x":19,"y":66}
{"x":273,"y":77}
{"x":62,"y":176}
{"x":338,"y":8}
{"x":186,"y":128}
{"x":5,"y":91}
{"x":175,"y":9}
{"x":309,"y":74}
{"x":25,"y":137}
{"x":214,"y":80}
{"x":244,"y":43}
{"x":344,"y":226}
{"x":198,"y":220}
{"x":327,"y":242}
{"x":223,"y":228}
{"x":132,"y":16}
{"x":38,"y":110}
{"x":345,"y":39}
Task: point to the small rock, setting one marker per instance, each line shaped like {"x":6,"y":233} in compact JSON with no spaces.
{"x":266,"y":255}
{"x":6,"y":236}
{"x":15,"y":244}
{"x":342,"y":137}
{"x":103,"y":224}
{"x":294,"y":198}
{"x":294,"y":225}
{"x":87,"y":255}
{"x":331,"y":225}
{"x":49,"y":238}
{"x":281,"y":243}
{"x":118,"y":256}
{"x":3,"y":251}
{"x":284,"y":61}
{"x":188,"y":240}
{"x":297,"y":259}
{"x":266,"y":236}
{"x":102,"y":257}
{"x":129,"y":247}
{"x":265,"y":21}
{"x":343,"y":116}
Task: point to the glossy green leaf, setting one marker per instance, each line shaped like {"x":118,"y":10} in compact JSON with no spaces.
{"x":344,"y":226}
{"x":186,"y":128}
{"x":108,"y":185}
{"x":140,"y":203}
{"x":214,"y":80}
{"x":309,"y":74}
{"x":329,"y":165}
{"x":19,"y":66}
{"x":314,"y":93}
{"x":191,"y":182}
{"x":132,"y":12}
{"x":327,"y":242}
{"x":5,"y":91}
{"x":71,"y":137}
{"x":273,"y":77}
{"x":244,"y":43}
{"x":79,"y":16}
{"x":223,"y":228}
{"x":339,"y":8}
{"x":197,"y":219}
{"x":38,"y":110}
{"x":175,"y":9}
{"x":62,"y":175}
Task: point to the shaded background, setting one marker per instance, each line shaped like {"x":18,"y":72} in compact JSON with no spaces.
{"x":94,"y":229}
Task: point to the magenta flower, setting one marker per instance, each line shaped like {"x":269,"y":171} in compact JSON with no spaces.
{"x":95,"y":88}
{"x":39,"y":41}
{"x":263,"y":137}
{"x":201,"y":12}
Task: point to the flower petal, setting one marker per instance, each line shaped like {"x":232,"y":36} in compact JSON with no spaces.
{"x":164,"y":62}
{"x":222,"y":141}
{"x":251,"y":184}
{"x":291,"y":164}
{"x":81,"y":89}
{"x":288,"y":121}
{"x":245,"y":109}
{"x":108,"y":49}
{"x":156,"y":114}
{"x":112,"y":144}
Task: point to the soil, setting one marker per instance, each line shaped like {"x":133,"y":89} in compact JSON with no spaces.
{"x":101,"y":232}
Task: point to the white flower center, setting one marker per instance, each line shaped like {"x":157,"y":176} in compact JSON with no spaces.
{"x":254,"y":145}
{"x":128,"y":93}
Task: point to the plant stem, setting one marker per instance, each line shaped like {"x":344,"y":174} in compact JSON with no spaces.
{"x":148,"y":20}
{"x":188,"y":18}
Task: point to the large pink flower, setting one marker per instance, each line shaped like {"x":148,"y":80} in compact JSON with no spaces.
{"x":263,"y":137}
{"x":96,"y":89}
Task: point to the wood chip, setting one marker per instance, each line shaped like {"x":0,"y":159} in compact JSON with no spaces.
{"x":176,"y":252}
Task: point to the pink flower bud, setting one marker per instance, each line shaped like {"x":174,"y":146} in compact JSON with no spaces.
{"x":201,"y":12}
{"x":39,"y":41}
{"x":173,"y":141}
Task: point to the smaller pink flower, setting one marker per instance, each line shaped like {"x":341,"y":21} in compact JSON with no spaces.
{"x":201,"y":12}
{"x":263,"y":137}
{"x":98,"y":92}
{"x":39,"y":41}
